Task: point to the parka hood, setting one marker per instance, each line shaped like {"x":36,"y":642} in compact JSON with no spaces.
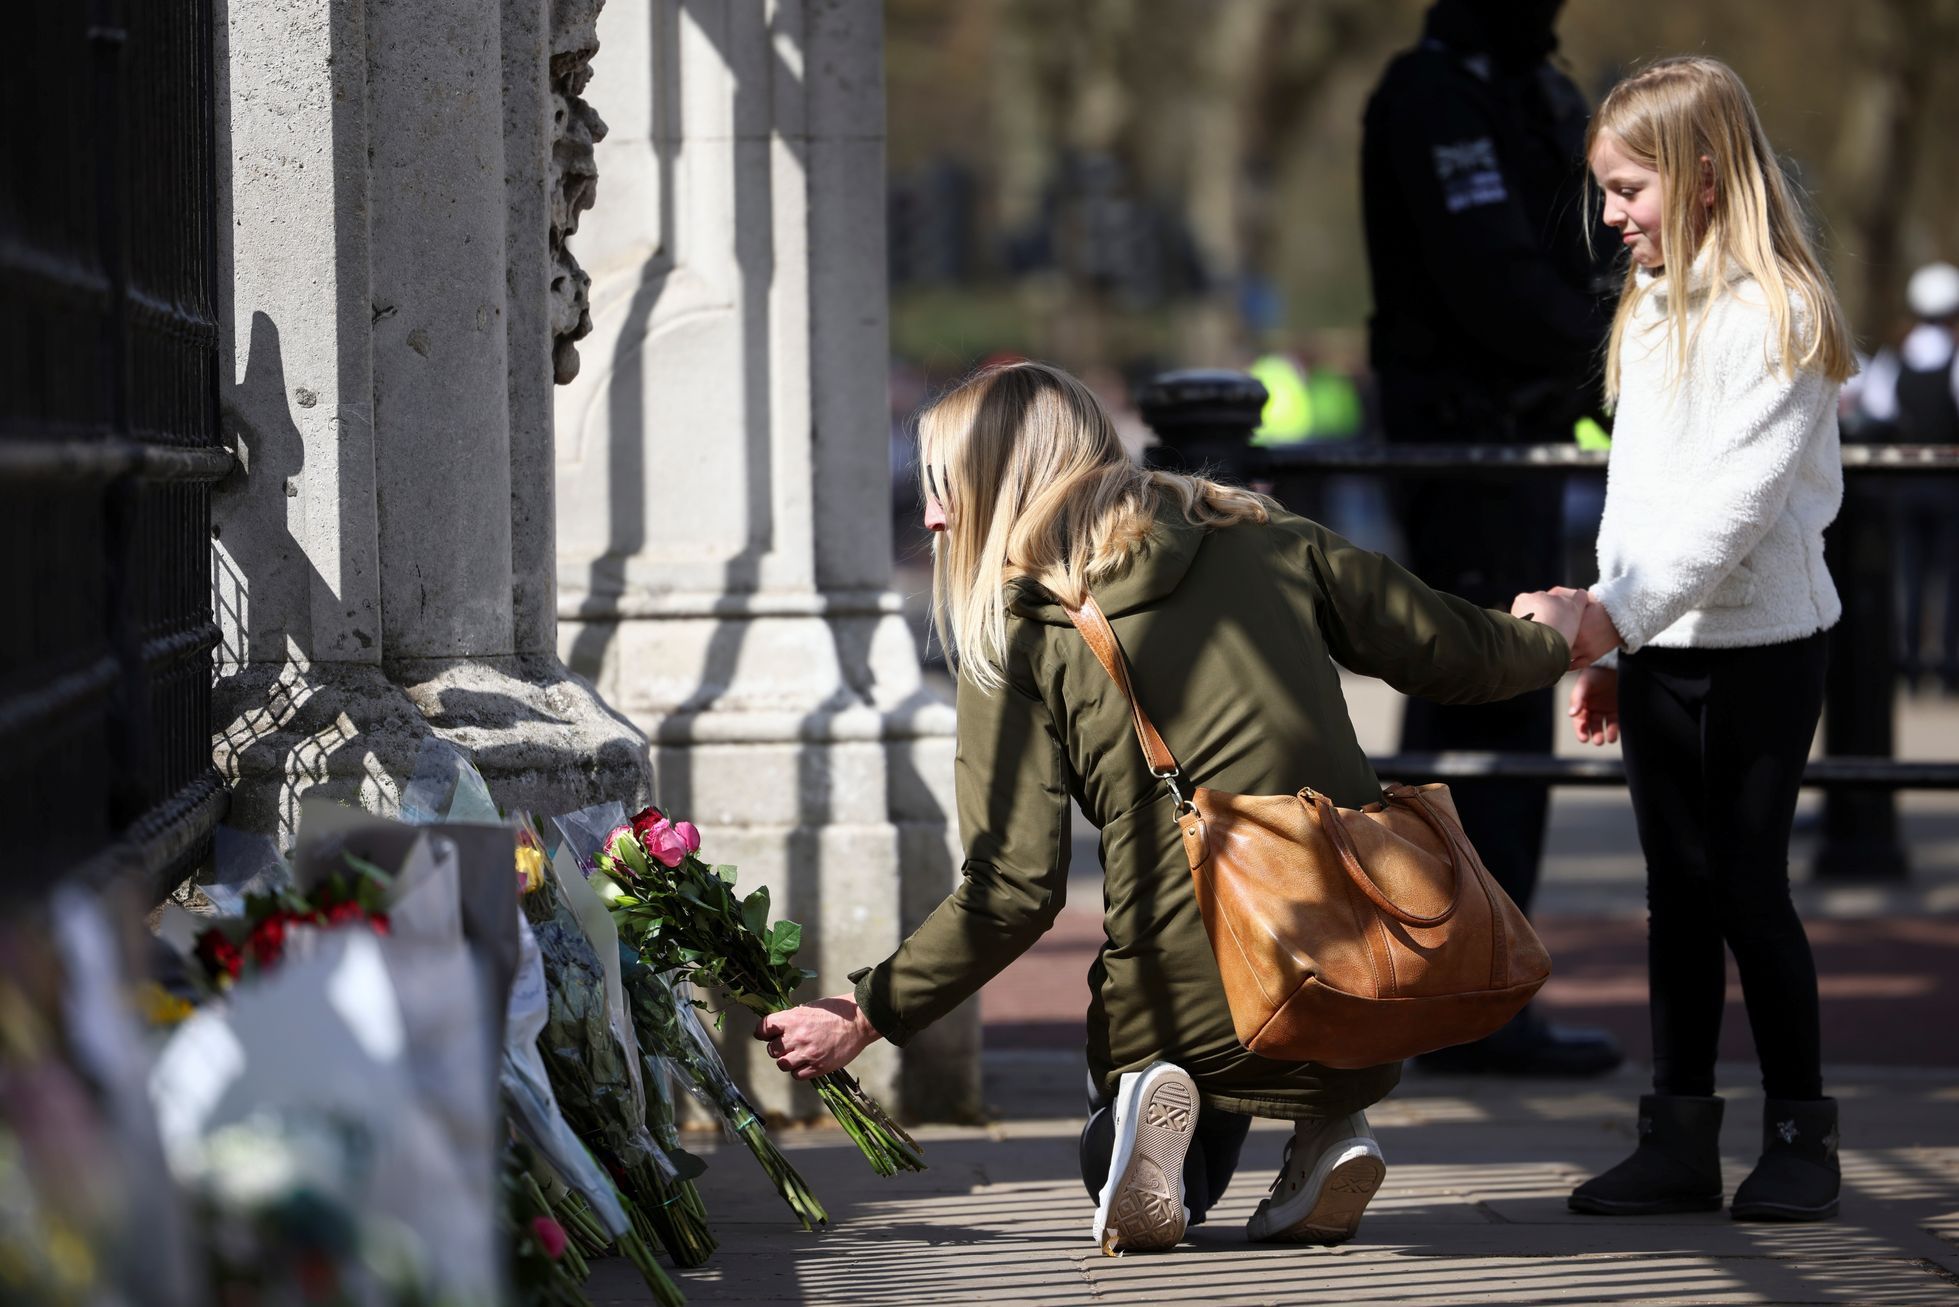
{"x":1154,"y":571}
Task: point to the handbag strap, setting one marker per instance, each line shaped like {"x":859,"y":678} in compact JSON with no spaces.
{"x":1090,"y":620}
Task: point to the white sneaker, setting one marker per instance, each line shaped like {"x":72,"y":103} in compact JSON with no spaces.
{"x":1330,"y":1170}
{"x":1142,"y":1201}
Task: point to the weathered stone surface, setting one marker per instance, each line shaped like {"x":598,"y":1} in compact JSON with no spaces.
{"x":436,"y":216}
{"x":724,"y":545}
{"x":384,"y":565}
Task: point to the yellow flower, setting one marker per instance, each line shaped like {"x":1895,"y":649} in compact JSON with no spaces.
{"x":530,"y":866}
{"x":160,"y":1007}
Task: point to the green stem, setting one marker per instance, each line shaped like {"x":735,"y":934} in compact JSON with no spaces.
{"x":665,"y":1292}
{"x":787,"y":1180}
{"x":884,"y":1144}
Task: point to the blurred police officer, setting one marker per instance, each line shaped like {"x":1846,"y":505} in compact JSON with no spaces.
{"x":1911,"y":393}
{"x":1489,"y":313}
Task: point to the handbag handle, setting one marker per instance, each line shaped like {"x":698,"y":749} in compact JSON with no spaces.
{"x":1090,"y":620}
{"x":1343,"y":843}
{"x":1101,"y":637}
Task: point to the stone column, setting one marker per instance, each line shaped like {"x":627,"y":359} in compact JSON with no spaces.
{"x":383,"y":561}
{"x":724,"y":544}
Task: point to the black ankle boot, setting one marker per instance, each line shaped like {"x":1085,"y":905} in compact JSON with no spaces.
{"x":1676,"y":1168}
{"x":1798,"y":1177}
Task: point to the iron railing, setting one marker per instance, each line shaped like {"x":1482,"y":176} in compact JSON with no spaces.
{"x":109,"y":439}
{"x":1205,"y":418}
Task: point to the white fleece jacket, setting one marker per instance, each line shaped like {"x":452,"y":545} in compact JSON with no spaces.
{"x":1718,"y":488}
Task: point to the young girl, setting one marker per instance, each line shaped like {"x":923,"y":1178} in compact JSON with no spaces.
{"x":1725,"y":359}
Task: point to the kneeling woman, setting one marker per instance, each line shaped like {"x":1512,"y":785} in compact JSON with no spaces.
{"x":1234,"y":615}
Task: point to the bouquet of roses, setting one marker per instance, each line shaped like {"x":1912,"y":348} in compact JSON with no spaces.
{"x":668,"y":1027}
{"x":680,"y":914}
{"x":256,"y":938}
{"x":595,"y":1091}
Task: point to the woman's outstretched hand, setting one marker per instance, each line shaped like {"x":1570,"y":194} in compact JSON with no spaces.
{"x":1559,"y":609}
{"x":817,"y":1038}
{"x":1595,"y":706}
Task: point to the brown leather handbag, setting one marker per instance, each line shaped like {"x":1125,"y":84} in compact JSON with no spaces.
{"x":1346,"y":936}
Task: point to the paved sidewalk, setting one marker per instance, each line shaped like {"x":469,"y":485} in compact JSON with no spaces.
{"x":1472,"y":1212}
{"x":1473,"y":1208}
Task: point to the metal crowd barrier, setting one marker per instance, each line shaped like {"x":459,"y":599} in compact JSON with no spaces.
{"x":1205,"y":418}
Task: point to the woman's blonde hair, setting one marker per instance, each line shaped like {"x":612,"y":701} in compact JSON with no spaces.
{"x":1035,"y":484}
{"x":1670,"y":116}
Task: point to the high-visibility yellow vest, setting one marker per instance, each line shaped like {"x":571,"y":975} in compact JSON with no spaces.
{"x":1299,"y":406}
{"x":1287,"y":417}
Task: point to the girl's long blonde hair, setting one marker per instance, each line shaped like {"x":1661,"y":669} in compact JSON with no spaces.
{"x":1670,"y":116}
{"x":1035,"y":484}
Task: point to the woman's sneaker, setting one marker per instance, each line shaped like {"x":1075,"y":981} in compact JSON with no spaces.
{"x":1330,"y":1170}
{"x":1142,"y":1202}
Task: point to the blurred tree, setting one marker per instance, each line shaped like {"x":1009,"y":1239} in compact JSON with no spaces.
{"x":1887,"y":115}
{"x":1139,"y":163}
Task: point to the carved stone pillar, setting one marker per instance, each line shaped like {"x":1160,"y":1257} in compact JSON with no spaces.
{"x":724,"y":549}
{"x":385,"y":557}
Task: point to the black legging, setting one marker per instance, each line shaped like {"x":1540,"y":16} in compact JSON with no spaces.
{"x":1714,"y":742}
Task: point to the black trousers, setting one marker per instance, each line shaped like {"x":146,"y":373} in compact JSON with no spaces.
{"x":1208,"y":1166}
{"x":1714,"y":743}
{"x":1486,"y":543}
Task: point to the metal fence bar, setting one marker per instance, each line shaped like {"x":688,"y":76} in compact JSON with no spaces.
{"x":1836,"y":773}
{"x":1416,"y":460}
{"x":1204,"y":420}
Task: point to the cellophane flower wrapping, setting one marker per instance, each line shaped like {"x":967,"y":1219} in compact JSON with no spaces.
{"x":336,"y":1100}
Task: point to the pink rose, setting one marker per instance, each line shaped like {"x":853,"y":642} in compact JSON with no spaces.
{"x":666,"y":844}
{"x":550,"y":1236}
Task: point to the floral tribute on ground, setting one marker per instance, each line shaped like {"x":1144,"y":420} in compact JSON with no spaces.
{"x":301,"y":1106}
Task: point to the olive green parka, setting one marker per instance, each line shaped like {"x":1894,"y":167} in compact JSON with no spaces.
{"x":1233,"y":635}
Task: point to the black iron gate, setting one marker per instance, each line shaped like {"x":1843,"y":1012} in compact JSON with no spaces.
{"x":108,"y":439}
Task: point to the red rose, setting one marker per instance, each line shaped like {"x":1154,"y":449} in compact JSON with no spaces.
{"x":268,"y":939}
{"x":342,"y":913}
{"x":219,"y":955}
{"x":380,"y":923}
{"x":644,"y":822}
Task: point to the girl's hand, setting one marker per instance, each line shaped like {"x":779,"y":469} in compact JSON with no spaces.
{"x":1560,"y":612}
{"x":1597,"y":636}
{"x":1595,"y":706}
{"x":817,"y":1038}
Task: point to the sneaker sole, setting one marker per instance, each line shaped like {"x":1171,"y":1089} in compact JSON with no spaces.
{"x":1142,"y":1207}
{"x":1342,"y":1200}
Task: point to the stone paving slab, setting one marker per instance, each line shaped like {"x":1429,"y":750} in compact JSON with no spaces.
{"x":1472,"y":1212}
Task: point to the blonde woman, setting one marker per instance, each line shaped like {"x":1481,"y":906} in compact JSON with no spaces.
{"x":1234,"y":615}
{"x":1725,"y":357}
